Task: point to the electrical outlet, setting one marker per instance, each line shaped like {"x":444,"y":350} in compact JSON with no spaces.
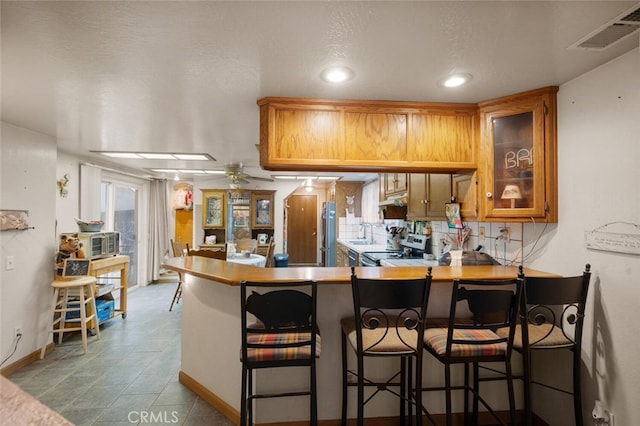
{"x":17,"y":332}
{"x":9,"y":263}
{"x":481,"y":233}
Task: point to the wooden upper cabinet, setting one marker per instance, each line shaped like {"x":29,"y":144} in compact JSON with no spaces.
{"x":464,"y":188}
{"x":445,"y":138}
{"x":312,"y":135}
{"x":326,"y":135}
{"x":428,"y":194}
{"x":518,"y":164}
{"x":393,"y":183}
{"x":376,"y":137}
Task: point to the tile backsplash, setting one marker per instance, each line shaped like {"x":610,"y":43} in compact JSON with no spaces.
{"x":506,"y":249}
{"x":351,"y":228}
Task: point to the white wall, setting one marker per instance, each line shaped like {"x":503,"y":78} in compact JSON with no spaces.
{"x":598,"y":154}
{"x":68,"y":207}
{"x":28,"y":182}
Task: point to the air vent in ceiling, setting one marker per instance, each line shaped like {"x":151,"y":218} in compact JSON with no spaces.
{"x":612,"y":32}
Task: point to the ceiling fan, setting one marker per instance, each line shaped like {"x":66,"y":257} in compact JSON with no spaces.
{"x":236,"y":175}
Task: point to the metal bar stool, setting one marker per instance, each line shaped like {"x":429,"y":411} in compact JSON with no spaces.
{"x":64,"y":295}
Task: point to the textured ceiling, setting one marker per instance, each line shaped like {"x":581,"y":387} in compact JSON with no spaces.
{"x":185,"y":76}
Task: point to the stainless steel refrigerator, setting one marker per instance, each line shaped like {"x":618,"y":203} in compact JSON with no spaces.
{"x":329,"y":233}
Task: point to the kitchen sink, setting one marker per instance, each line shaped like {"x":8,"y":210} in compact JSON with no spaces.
{"x":360,"y":243}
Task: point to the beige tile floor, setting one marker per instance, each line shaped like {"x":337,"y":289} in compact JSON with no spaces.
{"x":130,"y":376}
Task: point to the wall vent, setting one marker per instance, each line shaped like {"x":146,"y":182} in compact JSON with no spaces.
{"x":612,"y":32}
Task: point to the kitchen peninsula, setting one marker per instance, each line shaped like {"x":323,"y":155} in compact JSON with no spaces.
{"x":211,"y":333}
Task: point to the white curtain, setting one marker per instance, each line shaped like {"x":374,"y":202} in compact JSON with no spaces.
{"x":370,"y":200}
{"x":159,"y":214}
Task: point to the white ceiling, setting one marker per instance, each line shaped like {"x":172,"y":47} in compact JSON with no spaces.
{"x":185,"y":76}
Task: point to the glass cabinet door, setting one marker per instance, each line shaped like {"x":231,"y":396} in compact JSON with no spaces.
{"x":262,"y":210}
{"x":238,"y":210}
{"x":514,"y":148}
{"x":213,"y":208}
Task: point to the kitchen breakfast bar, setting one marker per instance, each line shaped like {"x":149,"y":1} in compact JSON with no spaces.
{"x":211,"y":335}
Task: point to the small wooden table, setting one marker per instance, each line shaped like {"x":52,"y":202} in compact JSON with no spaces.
{"x":100,"y":267}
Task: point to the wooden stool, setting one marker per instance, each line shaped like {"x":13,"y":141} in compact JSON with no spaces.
{"x":64,"y":289}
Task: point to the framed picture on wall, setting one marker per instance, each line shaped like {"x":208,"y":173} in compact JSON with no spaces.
{"x":261,"y":210}
{"x":213,"y":208}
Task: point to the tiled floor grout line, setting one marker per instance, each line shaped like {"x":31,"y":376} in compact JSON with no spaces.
{"x":129,"y":376}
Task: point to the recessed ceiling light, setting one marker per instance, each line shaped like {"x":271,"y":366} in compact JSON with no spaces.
{"x":337,"y":74}
{"x":456,"y":80}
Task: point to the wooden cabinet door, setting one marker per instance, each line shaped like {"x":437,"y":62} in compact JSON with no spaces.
{"x":372,"y":137}
{"x":291,"y":135}
{"x":428,"y":194}
{"x":444,"y":138}
{"x":518,"y":164}
{"x":439,"y":194}
{"x":465,"y":190}
{"x":394,"y":183}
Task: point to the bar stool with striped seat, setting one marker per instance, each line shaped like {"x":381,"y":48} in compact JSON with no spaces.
{"x":284,"y":335}
{"x":65,"y":292}
{"x":478,"y":309}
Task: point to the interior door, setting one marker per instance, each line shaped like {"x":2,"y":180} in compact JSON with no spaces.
{"x":184,"y":227}
{"x":302,"y":229}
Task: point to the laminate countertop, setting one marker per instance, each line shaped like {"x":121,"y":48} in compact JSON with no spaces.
{"x":232,"y":273}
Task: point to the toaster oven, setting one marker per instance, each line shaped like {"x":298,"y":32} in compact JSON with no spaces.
{"x":90,"y":245}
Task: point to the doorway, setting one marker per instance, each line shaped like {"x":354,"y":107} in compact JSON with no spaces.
{"x":184,"y":227}
{"x":120,"y":209}
{"x":302,"y":229}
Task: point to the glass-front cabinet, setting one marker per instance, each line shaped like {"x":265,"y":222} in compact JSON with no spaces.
{"x":213,"y":209}
{"x":239,"y":216}
{"x":262,"y":210}
{"x":518,"y":157}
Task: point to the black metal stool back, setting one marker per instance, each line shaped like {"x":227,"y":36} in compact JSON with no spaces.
{"x":279,"y":329}
{"x":554,"y":319}
{"x":388,"y":321}
{"x":479,"y":308}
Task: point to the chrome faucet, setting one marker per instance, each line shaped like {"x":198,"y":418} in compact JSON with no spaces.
{"x":364,"y":225}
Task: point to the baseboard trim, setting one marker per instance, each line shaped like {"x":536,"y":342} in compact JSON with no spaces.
{"x":26,"y":360}
{"x":196,"y":387}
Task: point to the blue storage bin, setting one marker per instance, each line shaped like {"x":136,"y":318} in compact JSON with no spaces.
{"x":105,"y":309}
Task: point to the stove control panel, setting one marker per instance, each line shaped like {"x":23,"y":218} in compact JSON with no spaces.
{"x":415,"y":241}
